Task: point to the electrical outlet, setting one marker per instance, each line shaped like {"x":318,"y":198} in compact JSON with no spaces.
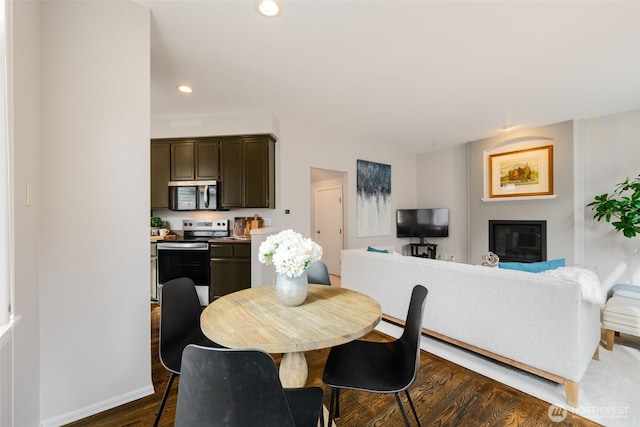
{"x":267,"y":222}
{"x":286,"y":211}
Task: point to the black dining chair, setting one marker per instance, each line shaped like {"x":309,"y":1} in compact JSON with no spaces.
{"x":241,"y":388}
{"x":179,"y":326}
{"x":318,"y":274}
{"x":379,"y":367}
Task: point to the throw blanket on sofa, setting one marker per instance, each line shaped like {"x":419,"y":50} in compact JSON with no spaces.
{"x":588,"y":280}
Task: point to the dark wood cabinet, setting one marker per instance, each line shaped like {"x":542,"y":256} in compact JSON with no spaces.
{"x":182,"y":161}
{"x":244,"y":165}
{"x":247,"y":171}
{"x":195,"y":159}
{"x":230,"y":268}
{"x":231,"y":172}
{"x":160,"y":175}
{"x":207,"y":160}
{"x":259,"y":174}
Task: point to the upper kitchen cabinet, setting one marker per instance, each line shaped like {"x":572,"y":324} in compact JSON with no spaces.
{"x":247,"y":172}
{"x":243,"y":165}
{"x":195,"y":159}
{"x":160,"y":176}
{"x":231,"y":170}
{"x":207,"y":161}
{"x":182,"y":164}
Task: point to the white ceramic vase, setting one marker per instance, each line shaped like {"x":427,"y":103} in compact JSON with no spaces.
{"x":291,"y":291}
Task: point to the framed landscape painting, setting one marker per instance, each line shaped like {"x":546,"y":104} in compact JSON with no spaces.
{"x":521,"y":173}
{"x":373,"y":199}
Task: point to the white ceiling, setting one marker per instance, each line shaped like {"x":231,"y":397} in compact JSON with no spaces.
{"x":421,"y":75}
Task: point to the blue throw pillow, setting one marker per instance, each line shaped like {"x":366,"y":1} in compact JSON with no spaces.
{"x":382,"y":251}
{"x":533,"y":267}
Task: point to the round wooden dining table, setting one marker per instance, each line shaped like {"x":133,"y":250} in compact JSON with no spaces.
{"x":254,"y":318}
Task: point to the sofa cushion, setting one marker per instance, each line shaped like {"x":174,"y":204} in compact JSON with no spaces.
{"x":383,"y":251}
{"x":622,"y":311}
{"x":628,"y":294}
{"x":533,"y":267}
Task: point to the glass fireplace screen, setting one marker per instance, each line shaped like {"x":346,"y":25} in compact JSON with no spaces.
{"x":518,"y":241}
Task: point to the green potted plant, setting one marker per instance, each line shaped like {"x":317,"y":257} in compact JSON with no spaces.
{"x":621,"y":208}
{"x":156,"y":223}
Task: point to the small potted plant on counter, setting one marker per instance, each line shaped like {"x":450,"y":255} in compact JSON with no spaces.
{"x":156,"y":224}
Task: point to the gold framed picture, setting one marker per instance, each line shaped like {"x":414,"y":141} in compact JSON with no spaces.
{"x":521,"y":173}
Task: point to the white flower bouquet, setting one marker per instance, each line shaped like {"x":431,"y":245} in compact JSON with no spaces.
{"x":289,"y":252}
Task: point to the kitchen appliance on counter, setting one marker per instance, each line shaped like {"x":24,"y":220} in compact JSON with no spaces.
{"x":188,"y":256}
{"x":193,"y":196}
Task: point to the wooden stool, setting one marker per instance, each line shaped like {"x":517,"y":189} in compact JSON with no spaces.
{"x":621,"y":314}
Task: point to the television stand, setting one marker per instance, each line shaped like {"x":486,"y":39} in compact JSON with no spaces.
{"x":430,"y":253}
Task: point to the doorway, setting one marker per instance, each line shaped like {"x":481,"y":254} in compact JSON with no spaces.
{"x":327,"y":215}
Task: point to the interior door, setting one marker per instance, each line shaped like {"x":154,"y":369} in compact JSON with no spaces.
{"x":328,"y":227}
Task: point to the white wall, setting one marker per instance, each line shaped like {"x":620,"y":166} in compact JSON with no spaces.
{"x":303,"y":146}
{"x":230,"y":124}
{"x":609,"y":149}
{"x":26,"y":132}
{"x":557,"y":212}
{"x":6,"y":379}
{"x":590,"y":157}
{"x":83,"y":344}
{"x":442,"y":183}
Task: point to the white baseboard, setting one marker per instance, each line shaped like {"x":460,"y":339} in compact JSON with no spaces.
{"x":98,"y":407}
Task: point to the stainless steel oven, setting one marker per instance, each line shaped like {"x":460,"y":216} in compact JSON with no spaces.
{"x":189,"y":256}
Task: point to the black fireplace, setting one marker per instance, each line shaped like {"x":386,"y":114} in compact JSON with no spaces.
{"x":518,"y":241}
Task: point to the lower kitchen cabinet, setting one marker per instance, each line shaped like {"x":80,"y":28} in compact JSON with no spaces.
{"x":230,"y":268}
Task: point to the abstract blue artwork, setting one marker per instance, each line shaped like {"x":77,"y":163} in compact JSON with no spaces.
{"x":373,"y":199}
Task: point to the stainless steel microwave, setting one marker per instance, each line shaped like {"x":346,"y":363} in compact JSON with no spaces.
{"x":193,"y":196}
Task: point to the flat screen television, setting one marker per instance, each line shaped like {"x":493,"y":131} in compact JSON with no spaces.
{"x":422,"y":223}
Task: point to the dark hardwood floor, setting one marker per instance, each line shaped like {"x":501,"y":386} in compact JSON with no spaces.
{"x":445,"y":394}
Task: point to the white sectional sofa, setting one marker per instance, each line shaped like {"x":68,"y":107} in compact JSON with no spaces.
{"x":534,"y":321}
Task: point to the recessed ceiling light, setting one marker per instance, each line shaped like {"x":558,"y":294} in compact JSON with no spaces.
{"x":185,"y":89}
{"x":507,"y":128}
{"x":269,"y":8}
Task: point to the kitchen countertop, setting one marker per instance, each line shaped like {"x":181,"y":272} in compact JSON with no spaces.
{"x":230,"y":239}
{"x":155,"y":239}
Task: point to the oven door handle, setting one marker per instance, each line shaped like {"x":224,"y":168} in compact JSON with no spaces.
{"x":184,"y":246}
